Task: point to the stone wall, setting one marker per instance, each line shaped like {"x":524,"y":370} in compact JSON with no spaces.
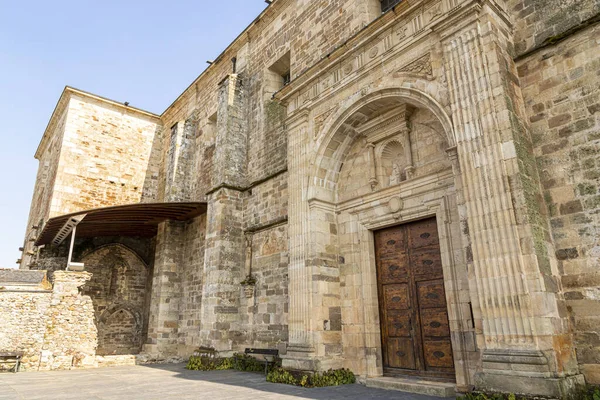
{"x":561,"y":88}
{"x":54,"y":328}
{"x":95,"y":153}
{"x":48,"y":155}
{"x":543,"y":22}
{"x":266,"y":203}
{"x":264,"y":312}
{"x":192,"y":279}
{"x":119,"y":290}
{"x":109,"y":157}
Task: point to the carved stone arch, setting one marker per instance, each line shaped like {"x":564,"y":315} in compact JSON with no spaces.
{"x":119,"y":289}
{"x":341,"y":132}
{"x":113,"y":309}
{"x":88,"y":253}
{"x":120,"y":331}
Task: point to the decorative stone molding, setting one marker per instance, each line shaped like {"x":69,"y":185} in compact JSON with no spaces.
{"x":421,"y":66}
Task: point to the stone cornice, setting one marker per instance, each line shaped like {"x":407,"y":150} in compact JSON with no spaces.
{"x":407,"y":189}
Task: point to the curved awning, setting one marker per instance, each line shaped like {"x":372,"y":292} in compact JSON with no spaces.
{"x":129,"y":220}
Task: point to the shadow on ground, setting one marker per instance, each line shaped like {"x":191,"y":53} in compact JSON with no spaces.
{"x":172,"y":381}
{"x":257,"y":381}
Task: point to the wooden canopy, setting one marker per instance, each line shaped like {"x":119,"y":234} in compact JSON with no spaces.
{"x":128,"y":220}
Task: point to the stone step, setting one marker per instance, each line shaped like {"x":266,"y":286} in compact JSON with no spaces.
{"x":411,"y":385}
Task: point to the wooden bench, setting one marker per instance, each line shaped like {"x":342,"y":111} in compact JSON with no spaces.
{"x":11,"y":358}
{"x":265,"y":353}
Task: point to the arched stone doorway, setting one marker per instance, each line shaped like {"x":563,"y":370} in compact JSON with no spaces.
{"x":119,"y":290}
{"x":389,"y":160}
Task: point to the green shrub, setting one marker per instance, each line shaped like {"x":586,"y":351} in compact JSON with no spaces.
{"x":333,"y":378}
{"x":588,"y":392}
{"x":280,"y":375}
{"x":209,"y":364}
{"x":244,"y":362}
{"x":320,"y":379}
{"x":240,"y":362}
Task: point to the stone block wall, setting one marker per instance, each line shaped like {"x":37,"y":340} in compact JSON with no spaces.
{"x":540,"y":22}
{"x":266,"y":203}
{"x":48,"y":155}
{"x":264,"y":313}
{"x":95,"y":153}
{"x":109,"y":157}
{"x":561,"y":89}
{"x":54,"y":328}
{"x":192,"y":274}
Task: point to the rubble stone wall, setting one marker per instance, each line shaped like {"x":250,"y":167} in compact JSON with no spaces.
{"x":561,"y":89}
{"x":55,"y":329}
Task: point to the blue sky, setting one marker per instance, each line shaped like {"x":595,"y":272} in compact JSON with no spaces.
{"x":144,"y":52}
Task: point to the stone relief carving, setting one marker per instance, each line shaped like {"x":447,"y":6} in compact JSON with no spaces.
{"x":395,"y":204}
{"x":320,"y":121}
{"x":373,"y":52}
{"x":421,"y":65}
{"x":398,"y":36}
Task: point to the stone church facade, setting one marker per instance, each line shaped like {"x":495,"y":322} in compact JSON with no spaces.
{"x":400,"y":188}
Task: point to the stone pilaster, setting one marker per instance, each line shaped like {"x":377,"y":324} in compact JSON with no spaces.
{"x":224,"y":267}
{"x":166,"y":292}
{"x":521,"y":330}
{"x":301,"y":347}
{"x":224,"y":270}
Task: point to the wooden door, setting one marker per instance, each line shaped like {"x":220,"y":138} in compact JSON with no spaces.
{"x":412,"y":301}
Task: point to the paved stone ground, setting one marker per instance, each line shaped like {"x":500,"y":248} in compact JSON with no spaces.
{"x":170,"y":382}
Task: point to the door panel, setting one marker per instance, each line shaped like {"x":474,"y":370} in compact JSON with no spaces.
{"x":439,"y":354}
{"x":399,"y":324}
{"x":435,"y":323}
{"x":426,"y":263}
{"x":396,"y":297}
{"x":401,"y":353}
{"x":394,"y":270}
{"x":423,"y":233}
{"x":431,"y":294}
{"x":412,"y":301}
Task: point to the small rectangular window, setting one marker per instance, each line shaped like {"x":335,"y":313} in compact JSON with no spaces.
{"x":387,"y":5}
{"x":280,"y":72}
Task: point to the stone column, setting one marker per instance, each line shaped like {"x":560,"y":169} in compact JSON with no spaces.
{"x":523,"y":335}
{"x":224,"y":267}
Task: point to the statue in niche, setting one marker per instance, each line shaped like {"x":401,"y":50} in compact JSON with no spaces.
{"x":396,"y":176}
